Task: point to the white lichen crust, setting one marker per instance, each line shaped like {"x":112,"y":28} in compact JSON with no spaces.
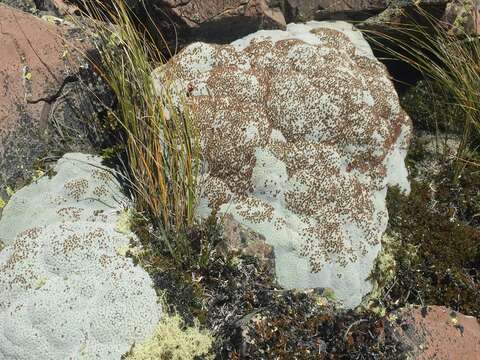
{"x":301,"y":132}
{"x":65,"y":293}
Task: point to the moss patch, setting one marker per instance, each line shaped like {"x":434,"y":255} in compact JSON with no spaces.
{"x":431,"y":108}
{"x":437,"y":220}
{"x":300,"y":325}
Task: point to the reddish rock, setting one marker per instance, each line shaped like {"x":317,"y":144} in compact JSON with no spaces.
{"x":435,"y":333}
{"x":32,"y":65}
{"x":40,"y":62}
{"x":32,"y":71}
{"x":184,"y":21}
{"x":242,"y":240}
{"x":196,"y":13}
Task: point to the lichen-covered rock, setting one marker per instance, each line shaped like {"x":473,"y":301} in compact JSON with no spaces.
{"x":301,"y":132}
{"x":402,"y":14}
{"x":65,"y":292}
{"x":464,"y":16}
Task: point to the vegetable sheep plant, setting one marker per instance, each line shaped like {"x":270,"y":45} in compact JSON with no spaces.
{"x":449,"y":57}
{"x":160,"y":143}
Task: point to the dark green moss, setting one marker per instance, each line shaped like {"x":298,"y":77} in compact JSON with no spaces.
{"x":177,"y":282}
{"x":431,"y":108}
{"x":439,"y":221}
{"x":293,"y":325}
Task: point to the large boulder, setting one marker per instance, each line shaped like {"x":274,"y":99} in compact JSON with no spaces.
{"x":434,"y":332}
{"x":66,"y":291}
{"x":301,"y":133}
{"x":47,"y":101}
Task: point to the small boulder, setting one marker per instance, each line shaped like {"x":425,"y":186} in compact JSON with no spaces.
{"x":66,"y":290}
{"x":464,"y":17}
{"x":239,"y":239}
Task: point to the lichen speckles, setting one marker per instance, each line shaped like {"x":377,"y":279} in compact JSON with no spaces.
{"x":301,"y":132}
{"x":77,"y":188}
{"x":70,"y":213}
{"x":63,"y":286}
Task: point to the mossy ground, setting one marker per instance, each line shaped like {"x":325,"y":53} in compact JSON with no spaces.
{"x":438,"y":229}
{"x":250,"y":316}
{"x":434,"y":256}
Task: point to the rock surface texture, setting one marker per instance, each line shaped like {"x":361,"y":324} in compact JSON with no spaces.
{"x":464,"y":16}
{"x":53,"y":7}
{"x":200,"y":13}
{"x":44,"y":100}
{"x":435,"y":333}
{"x":65,"y":290}
{"x":219,"y":21}
{"x":301,"y":132}
{"x":297,"y":10}
{"x":405,"y":12}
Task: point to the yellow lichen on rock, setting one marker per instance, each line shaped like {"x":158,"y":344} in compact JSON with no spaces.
{"x":382,"y":274}
{"x":171,"y":341}
{"x":124,"y":222}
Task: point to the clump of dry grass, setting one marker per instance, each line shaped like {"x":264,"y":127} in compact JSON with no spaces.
{"x":160,"y":144}
{"x":448,"y":57}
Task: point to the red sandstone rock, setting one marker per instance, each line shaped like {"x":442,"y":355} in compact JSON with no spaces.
{"x":32,"y":67}
{"x":38,"y":59}
{"x":436,"y":333}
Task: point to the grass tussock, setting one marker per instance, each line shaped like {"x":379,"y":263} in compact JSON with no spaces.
{"x":160,"y":144}
{"x":448,"y":57}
